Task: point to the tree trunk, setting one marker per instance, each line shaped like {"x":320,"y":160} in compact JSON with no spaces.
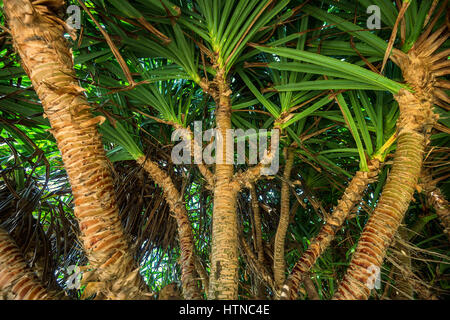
{"x":383,"y":223}
{"x":437,"y":200}
{"x":17,"y":281}
{"x":351,"y":197}
{"x":264,"y":277}
{"x":310,"y":288}
{"x":223,"y":283}
{"x":442,"y":207}
{"x":186,"y":238}
{"x":38,"y":37}
{"x":257,"y":221}
{"x":279,"y":264}
{"x":413,"y":126}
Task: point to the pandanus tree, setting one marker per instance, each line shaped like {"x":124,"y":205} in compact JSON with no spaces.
{"x":224,"y":43}
{"x":37,"y":34}
{"x":421,"y":65}
{"x":145,"y":70}
{"x":369,"y":167}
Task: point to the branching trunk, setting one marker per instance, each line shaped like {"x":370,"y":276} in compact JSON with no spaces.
{"x":186,"y":238}
{"x":351,"y":197}
{"x":383,"y":223}
{"x":17,"y":281}
{"x":413,"y":126}
{"x":223,"y":283}
{"x":38,"y":37}
{"x":279,"y":264}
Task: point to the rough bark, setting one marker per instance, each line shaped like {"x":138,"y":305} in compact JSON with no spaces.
{"x":263,"y":275}
{"x":223,"y":283}
{"x":414,"y":124}
{"x":247,"y":178}
{"x":279,"y":263}
{"x":383,"y":223}
{"x":37,"y":34}
{"x":257,"y":220}
{"x":352,"y":196}
{"x":17,"y":281}
{"x":169,"y":292}
{"x":442,"y":207}
{"x":204,"y":277}
{"x":310,"y":288}
{"x":196,"y":147}
{"x":173,"y":198}
{"x":437,"y":200}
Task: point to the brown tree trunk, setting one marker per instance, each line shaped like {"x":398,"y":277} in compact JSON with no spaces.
{"x":258,"y":227}
{"x":437,"y":200}
{"x":310,"y":288}
{"x":279,"y":264}
{"x":17,"y":281}
{"x":351,"y":197}
{"x":264,"y":277}
{"x":383,"y":223}
{"x":413,"y":126}
{"x":186,"y":238}
{"x":223,"y":283}
{"x":37,"y":34}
